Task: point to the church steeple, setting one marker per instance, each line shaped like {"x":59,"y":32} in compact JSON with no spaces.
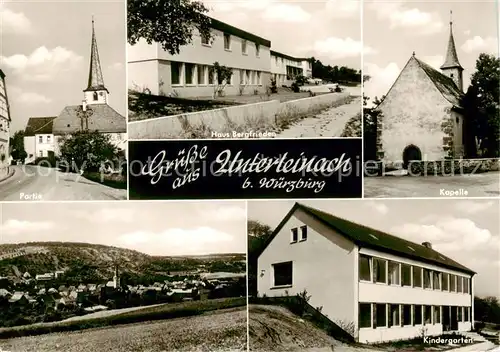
{"x":451,"y":66}
{"x":96,"y":92}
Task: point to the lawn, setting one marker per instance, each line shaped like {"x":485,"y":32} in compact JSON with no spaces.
{"x":167,"y":311}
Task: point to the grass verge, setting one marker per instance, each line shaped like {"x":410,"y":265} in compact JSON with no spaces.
{"x":114,"y":181}
{"x":167,"y":311}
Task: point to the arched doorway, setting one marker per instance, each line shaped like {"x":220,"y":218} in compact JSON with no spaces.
{"x":411,"y":153}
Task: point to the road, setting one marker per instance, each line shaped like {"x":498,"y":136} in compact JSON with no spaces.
{"x":41,"y":183}
{"x":477,"y":185}
{"x":224,"y":330}
{"x":330,"y":123}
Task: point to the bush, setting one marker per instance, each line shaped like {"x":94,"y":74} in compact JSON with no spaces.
{"x":46,"y":161}
{"x":274,"y":88}
{"x":295,"y":87}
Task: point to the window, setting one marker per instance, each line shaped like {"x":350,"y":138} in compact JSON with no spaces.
{"x":189,"y":73}
{"x":248,"y":77}
{"x":466,"y":285}
{"x":227,"y":41}
{"x":365,"y":315}
{"x":295,"y":235}
{"x":205,"y":39}
{"x":459,"y":284}
{"x":427,"y":278}
{"x":427,"y":315}
{"x":379,"y":270}
{"x":457,"y":120}
{"x":417,"y":276}
{"x":40,"y":153}
{"x":283,"y":274}
{"x":364,"y":268}
{"x":244,"y":46}
{"x":466,"y":314}
{"x":381,"y":315}
{"x":211,"y":75}
{"x":445,"y":282}
{"x":451,"y":75}
{"x":406,"y":314}
{"x":303,"y":233}
{"x":201,"y":70}
{"x":95,"y":96}
{"x":175,"y":72}
{"x":258,"y":78}
{"x":406,"y":274}
{"x":257,"y":50}
{"x":417,"y":315}
{"x":436,"y":280}
{"x":437,"y":314}
{"x":40,"y":139}
{"x":242,"y":77}
{"x":276,"y":60}
{"x":48,"y":139}
{"x":460,"y":313}
{"x":394,"y":273}
{"x":394,"y":315}
{"x":453,"y":283}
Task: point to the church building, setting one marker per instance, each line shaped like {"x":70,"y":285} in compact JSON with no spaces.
{"x":43,"y":135}
{"x":421,"y":116}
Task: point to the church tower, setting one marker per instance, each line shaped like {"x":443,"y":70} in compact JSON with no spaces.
{"x":116,"y":278}
{"x":96,"y":92}
{"x":451,"y":66}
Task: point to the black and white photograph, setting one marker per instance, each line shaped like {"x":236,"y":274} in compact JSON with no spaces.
{"x":431,"y":106}
{"x":63,"y":101}
{"x":244,"y":69}
{"x":123,"y":277}
{"x":374,"y":275}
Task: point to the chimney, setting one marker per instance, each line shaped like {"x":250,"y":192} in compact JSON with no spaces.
{"x":427,"y":245}
{"x":84,"y":105}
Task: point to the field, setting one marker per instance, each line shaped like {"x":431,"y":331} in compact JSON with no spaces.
{"x":222,"y":330}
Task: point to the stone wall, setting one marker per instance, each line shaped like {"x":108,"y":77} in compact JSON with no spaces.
{"x":415,"y":112}
{"x":453,"y":167}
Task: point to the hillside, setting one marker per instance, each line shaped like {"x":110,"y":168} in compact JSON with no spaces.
{"x":92,"y":262}
{"x":274,"y":328}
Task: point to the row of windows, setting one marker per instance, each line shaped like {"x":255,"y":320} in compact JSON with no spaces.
{"x":295,"y":234}
{"x":48,"y":139}
{"x":373,"y":315}
{"x":228,"y":44}
{"x":388,"y":272}
{"x":3,"y":108}
{"x":193,"y":74}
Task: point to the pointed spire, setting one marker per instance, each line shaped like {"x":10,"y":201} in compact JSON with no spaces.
{"x":96,"y":82}
{"x":451,"y":60}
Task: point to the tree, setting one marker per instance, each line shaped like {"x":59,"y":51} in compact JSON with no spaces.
{"x":258,"y":234}
{"x":223,"y":75}
{"x":481,"y":105}
{"x":86,"y":150}
{"x":17,"y":146}
{"x":168,"y":22}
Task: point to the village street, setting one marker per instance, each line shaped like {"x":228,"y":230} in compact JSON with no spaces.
{"x":477,"y":185}
{"x":329,"y":123}
{"x":40,"y":183}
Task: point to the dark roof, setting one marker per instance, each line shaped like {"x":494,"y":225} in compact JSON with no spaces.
{"x":227,"y":28}
{"x":39,"y":125}
{"x":443,"y":83}
{"x":102,"y":118}
{"x":384,"y":242}
{"x":2,"y":75}
{"x":451,"y":60}
{"x":95,"y":81}
{"x":285,"y":56}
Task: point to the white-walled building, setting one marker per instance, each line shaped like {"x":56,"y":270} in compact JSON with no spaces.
{"x":188,"y":74}
{"x":43,"y":135}
{"x":4,"y":125}
{"x":383,"y":286}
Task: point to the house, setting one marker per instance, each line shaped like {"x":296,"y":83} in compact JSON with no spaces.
{"x":4,"y":293}
{"x":384,"y":287}
{"x":284,"y":68}
{"x":18,"y":298}
{"x":45,"y":134}
{"x":421,"y":116}
{"x":5,"y":121}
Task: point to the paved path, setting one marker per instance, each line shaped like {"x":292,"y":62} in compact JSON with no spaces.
{"x":40,"y":183}
{"x":330,"y":123}
{"x":477,"y":185}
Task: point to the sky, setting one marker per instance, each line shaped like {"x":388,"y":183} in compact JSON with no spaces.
{"x":467,"y":231}
{"x":45,"y":54}
{"x":393,"y":30}
{"x":329,"y":30}
{"x":154,"y":228}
